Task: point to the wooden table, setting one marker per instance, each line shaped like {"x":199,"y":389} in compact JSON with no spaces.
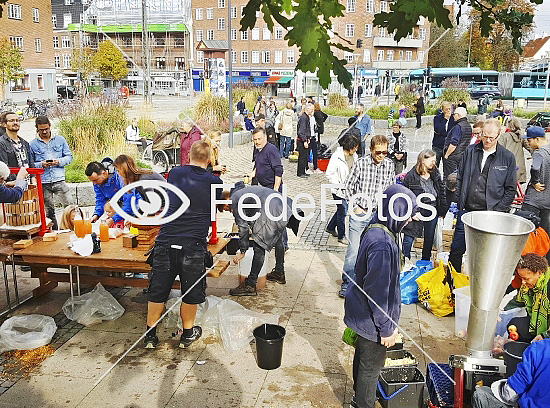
{"x":112,"y":258}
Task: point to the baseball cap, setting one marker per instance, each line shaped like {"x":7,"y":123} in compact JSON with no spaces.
{"x":533,"y":132}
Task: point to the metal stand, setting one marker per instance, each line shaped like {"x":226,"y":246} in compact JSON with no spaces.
{"x":18,"y":300}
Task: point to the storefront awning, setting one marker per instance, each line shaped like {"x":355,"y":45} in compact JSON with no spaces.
{"x":284,"y":80}
{"x":272,"y":80}
{"x":259,"y":80}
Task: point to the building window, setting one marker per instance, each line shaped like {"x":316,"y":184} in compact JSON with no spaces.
{"x":278,"y":33}
{"x":81,"y":19}
{"x":267,"y":34}
{"x":244,"y":57}
{"x":244,"y":35}
{"x":57,"y":62}
{"x":370,"y":6}
{"x":255,"y":34}
{"x":233,"y":57}
{"x":35,"y":15}
{"x":17,"y":42}
{"x":54,"y":20}
{"x":66,"y":61}
{"x":366,"y":56}
{"x":290,"y":57}
{"x":221,"y":3}
{"x":37,"y":45}
{"x":221,"y":23}
{"x":401,"y":55}
{"x":198,"y":14}
{"x":200,"y":56}
{"x":200,"y":35}
{"x":408,"y":56}
{"x":210,"y":35}
{"x":421,"y":56}
{"x":65,"y":42}
{"x":348,"y":56}
{"x":179,"y":41}
{"x":278,"y":57}
{"x":266,"y":57}
{"x":14,"y":11}
{"x":233,"y":12}
{"x":350,"y":30}
{"x":68,"y":2}
{"x":67,"y":19}
{"x":382,"y":31}
{"x":126,"y":41}
{"x":368,"y":30}
{"x":56,"y":42}
{"x":255,"y":57}
{"x":40,"y":81}
{"x":350,"y":6}
{"x":383,"y":6}
{"x":422,"y":33}
{"x":380,"y":55}
{"x":233,"y":34}
{"x":389,"y":55}
{"x":210,"y":14}
{"x":242,"y":11}
{"x":21,"y":84}
{"x":160,"y":62}
{"x":180,"y":63}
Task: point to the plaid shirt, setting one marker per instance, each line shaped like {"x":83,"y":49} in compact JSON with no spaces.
{"x":369,"y":178}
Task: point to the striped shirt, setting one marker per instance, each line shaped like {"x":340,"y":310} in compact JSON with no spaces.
{"x":369,"y":178}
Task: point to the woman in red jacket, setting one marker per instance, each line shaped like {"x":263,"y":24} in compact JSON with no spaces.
{"x":189,"y":134}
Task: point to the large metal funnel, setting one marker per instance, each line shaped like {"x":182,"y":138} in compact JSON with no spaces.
{"x":494,"y":241}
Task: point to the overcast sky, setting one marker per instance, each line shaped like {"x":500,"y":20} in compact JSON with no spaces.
{"x":542,"y":18}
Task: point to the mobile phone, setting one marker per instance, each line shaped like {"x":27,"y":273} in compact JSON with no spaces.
{"x":49,"y":161}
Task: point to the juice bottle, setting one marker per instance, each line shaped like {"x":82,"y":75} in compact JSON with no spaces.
{"x":103,"y":232}
{"x":87,"y":227}
{"x":78,"y":224}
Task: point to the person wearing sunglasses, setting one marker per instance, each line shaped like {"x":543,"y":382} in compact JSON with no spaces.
{"x":486,"y":180}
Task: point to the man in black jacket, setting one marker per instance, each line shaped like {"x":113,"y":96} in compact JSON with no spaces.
{"x":306,"y":131}
{"x":14,"y":150}
{"x":443,"y":122}
{"x":486,"y":180}
{"x":419,"y":109}
{"x":458,"y":139}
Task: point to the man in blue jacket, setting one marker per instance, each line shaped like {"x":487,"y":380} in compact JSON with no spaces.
{"x":52,"y":154}
{"x":377,"y":275}
{"x":527,"y":387}
{"x":443,"y":122}
{"x":363,"y":124}
{"x":13,"y":194}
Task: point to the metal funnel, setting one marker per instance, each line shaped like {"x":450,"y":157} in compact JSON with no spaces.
{"x":494,"y":242}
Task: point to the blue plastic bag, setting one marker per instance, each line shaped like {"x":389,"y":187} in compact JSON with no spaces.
{"x":310,"y":157}
{"x":407,"y":281}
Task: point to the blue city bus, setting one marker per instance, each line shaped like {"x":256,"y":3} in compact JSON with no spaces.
{"x":529,"y":85}
{"x":473,"y":76}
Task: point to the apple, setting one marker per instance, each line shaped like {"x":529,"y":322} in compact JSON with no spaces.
{"x":512,"y":328}
{"x":514,"y":335}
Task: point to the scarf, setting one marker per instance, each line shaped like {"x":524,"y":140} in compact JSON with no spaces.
{"x":537,"y":304}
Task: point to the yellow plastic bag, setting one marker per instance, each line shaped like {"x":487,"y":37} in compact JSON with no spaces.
{"x":435,"y":289}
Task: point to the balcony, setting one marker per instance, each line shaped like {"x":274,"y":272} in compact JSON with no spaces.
{"x":398,"y":65}
{"x":403,"y":43}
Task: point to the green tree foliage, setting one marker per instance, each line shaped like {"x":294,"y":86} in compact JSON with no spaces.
{"x":109,"y":62}
{"x":82,"y":61}
{"x":10,"y":63}
{"x":454,"y":90}
{"x":308,"y":23}
{"x":450,"y":51}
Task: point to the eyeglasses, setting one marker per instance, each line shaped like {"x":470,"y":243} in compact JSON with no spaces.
{"x":379,"y":152}
{"x":489,"y":138}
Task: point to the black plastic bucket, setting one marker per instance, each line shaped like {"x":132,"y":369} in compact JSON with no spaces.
{"x":269,"y":345}
{"x":513,"y":352}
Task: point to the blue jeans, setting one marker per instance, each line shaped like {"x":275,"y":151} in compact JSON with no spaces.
{"x":284,"y":146}
{"x":429,"y":234}
{"x":458,"y":246}
{"x":356,"y":228}
{"x":338,"y":220}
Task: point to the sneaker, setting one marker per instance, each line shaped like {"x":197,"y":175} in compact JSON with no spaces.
{"x":331,"y":232}
{"x":353,"y":402}
{"x":244,"y":289}
{"x":342,"y":292}
{"x":343,"y":241}
{"x":276,"y":277}
{"x":150,"y":342}
{"x":318,"y":171}
{"x":303,"y":175}
{"x":187,"y":341}
{"x":308,"y":171}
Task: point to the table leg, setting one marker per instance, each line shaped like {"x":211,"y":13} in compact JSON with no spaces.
{"x":7,"y":285}
{"x":71,"y":280}
{"x":14,"y":280}
{"x":78,"y":279}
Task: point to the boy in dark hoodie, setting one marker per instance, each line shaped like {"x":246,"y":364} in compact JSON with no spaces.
{"x":377,"y":272}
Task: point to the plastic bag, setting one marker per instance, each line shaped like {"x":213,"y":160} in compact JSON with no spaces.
{"x":26,"y":332}
{"x":407,"y":281}
{"x":93,"y":307}
{"x":435,"y":289}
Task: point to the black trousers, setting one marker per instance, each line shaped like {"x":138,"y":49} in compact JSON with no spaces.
{"x":418,"y":121}
{"x":368,"y":361}
{"x":438,"y":155}
{"x":449,"y":166}
{"x":303,"y":154}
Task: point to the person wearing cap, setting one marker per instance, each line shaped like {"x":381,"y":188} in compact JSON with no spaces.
{"x":537,"y":196}
{"x":486,"y":181}
{"x":12,"y":195}
{"x":458,"y":139}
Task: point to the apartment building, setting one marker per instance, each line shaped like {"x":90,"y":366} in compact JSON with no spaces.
{"x":28,"y":26}
{"x":263,"y":57}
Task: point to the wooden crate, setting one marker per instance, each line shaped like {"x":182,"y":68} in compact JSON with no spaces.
{"x":26,"y":211}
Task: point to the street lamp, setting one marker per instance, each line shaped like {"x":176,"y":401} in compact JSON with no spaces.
{"x":547,"y":77}
{"x":355,"y":87}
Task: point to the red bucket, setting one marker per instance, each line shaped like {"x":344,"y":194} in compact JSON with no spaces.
{"x":322,"y":164}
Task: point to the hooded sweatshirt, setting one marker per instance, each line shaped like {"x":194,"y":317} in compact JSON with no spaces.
{"x":377,"y":271}
{"x":513,"y":142}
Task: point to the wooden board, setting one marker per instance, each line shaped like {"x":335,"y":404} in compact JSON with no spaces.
{"x":22,"y":243}
{"x":218,"y":269}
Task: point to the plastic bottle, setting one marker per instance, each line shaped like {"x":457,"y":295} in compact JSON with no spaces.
{"x":103,"y":232}
{"x":78,"y":223}
{"x":87,"y":227}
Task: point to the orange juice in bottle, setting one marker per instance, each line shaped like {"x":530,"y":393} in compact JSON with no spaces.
{"x":87,"y":227}
{"x":78,"y":224}
{"x":103,"y":232}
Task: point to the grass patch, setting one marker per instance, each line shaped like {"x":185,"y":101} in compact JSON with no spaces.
{"x":347,"y":112}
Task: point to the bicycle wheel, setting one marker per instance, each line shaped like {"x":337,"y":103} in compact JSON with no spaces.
{"x":148,"y":153}
{"x":161,"y":163}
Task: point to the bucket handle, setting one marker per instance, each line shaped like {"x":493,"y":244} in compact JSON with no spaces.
{"x":386,"y":397}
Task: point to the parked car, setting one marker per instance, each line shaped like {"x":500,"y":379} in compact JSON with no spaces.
{"x":541,"y":119}
{"x":65,"y":92}
{"x":482,"y":90}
